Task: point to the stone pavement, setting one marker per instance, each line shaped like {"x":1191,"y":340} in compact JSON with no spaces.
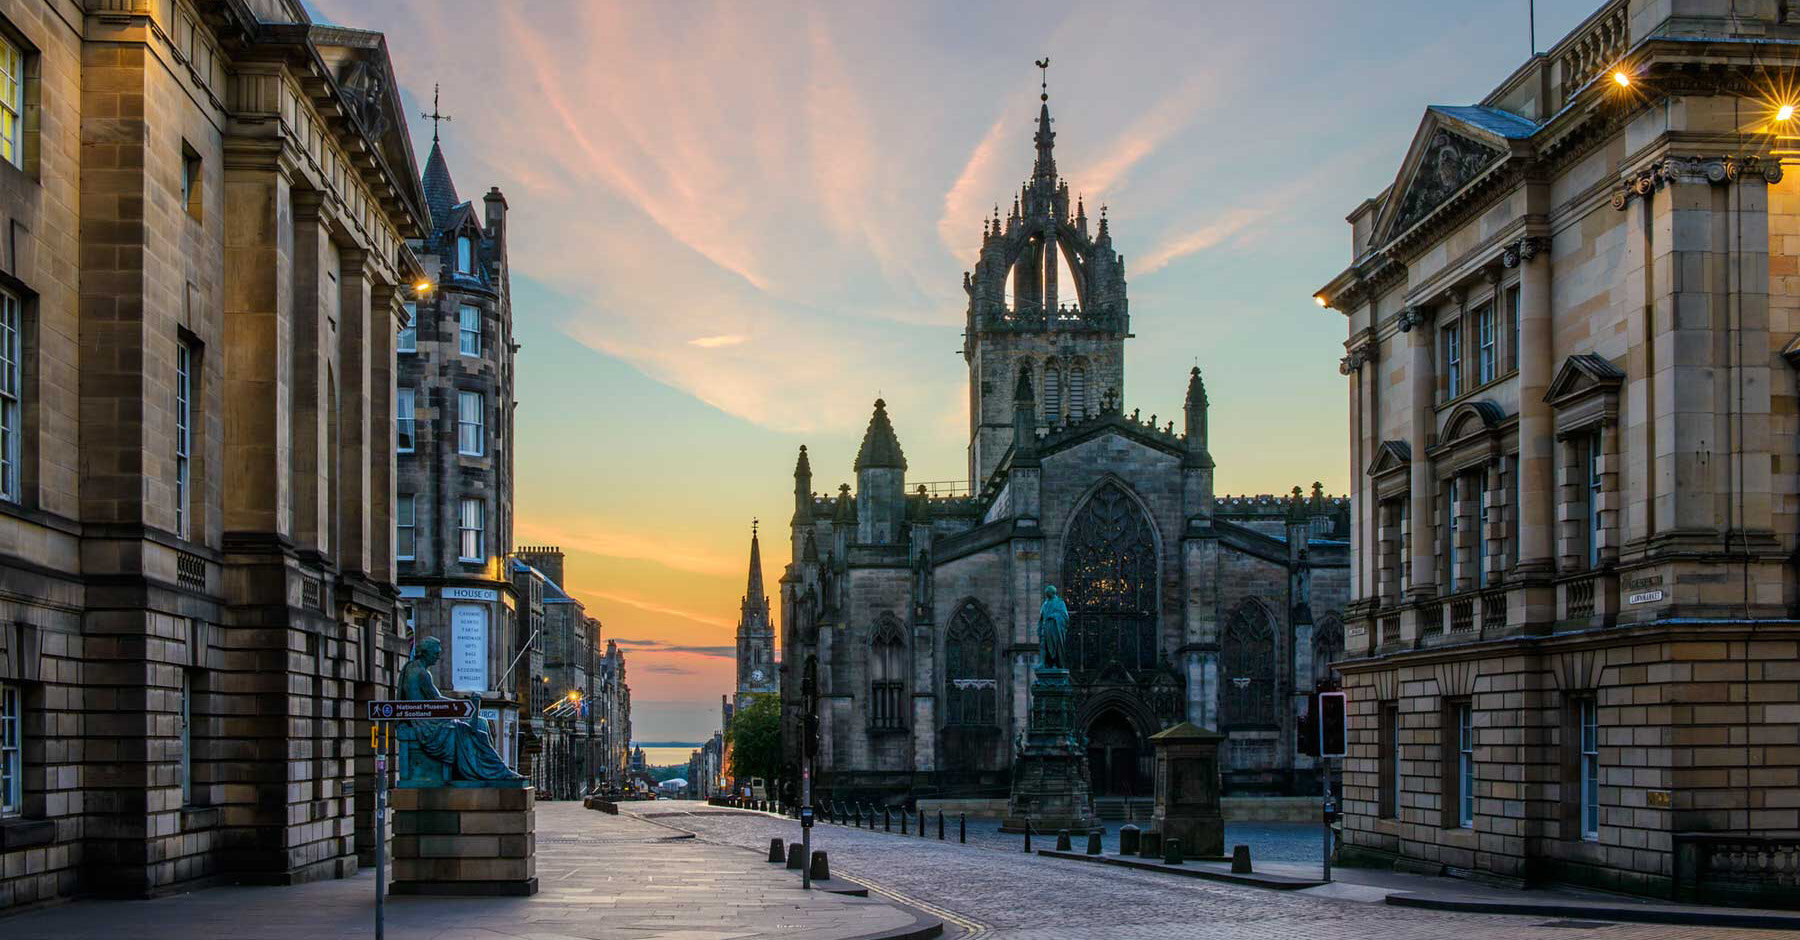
{"x":1005,"y":893}
{"x":601,"y":877}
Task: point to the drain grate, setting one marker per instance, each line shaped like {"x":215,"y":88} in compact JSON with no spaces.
{"x":1577,"y":924}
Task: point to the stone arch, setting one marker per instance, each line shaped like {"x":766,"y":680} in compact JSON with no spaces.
{"x":1053,"y":391}
{"x":1112,"y":580}
{"x":1077,"y":395}
{"x":1248,"y":671}
{"x":971,"y":666}
{"x":1327,"y":645}
{"x":887,"y":674}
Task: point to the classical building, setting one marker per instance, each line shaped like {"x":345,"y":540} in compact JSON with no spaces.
{"x":921,"y":610}
{"x":207,"y":206}
{"x":1573,"y":320}
{"x":756,"y":670}
{"x":454,"y":476}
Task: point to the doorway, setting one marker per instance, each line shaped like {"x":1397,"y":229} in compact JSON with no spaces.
{"x":1114,"y":753}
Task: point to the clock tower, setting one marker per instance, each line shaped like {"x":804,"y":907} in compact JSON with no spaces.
{"x":756,"y":673}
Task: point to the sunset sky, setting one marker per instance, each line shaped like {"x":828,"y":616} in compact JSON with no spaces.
{"x":734,"y":224}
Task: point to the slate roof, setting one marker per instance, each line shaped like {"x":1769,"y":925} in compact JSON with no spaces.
{"x":1493,"y":120}
{"x":440,"y":191}
{"x":880,"y":448}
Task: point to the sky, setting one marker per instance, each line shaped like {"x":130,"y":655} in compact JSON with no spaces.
{"x":734,"y":225}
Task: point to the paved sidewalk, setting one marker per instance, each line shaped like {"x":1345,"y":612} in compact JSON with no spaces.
{"x":601,"y":877}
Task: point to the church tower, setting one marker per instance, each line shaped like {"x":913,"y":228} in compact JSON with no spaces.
{"x":1022,"y":321}
{"x":755,"y":637}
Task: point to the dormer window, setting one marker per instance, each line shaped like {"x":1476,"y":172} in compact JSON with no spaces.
{"x":465,"y":255}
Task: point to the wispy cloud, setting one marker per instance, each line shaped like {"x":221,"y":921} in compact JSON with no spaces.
{"x":598,"y":537}
{"x":715,"y":342}
{"x":658,"y":646}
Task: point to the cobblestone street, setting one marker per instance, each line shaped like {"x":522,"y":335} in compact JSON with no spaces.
{"x":992,"y":889}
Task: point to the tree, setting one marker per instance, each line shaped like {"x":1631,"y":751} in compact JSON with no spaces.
{"x":755,"y":739}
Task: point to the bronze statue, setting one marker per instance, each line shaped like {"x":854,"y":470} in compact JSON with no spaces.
{"x":1053,"y":630}
{"x":446,"y":752}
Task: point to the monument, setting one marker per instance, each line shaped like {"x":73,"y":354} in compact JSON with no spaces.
{"x":464,"y":822}
{"x":1050,"y":786}
{"x":1187,"y":789}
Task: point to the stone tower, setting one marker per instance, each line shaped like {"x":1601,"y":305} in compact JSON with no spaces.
{"x":755,"y":637}
{"x":1072,"y":348}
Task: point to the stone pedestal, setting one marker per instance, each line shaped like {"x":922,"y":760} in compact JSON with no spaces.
{"x":1187,"y":790}
{"x":465,"y":841}
{"x":1050,"y":775}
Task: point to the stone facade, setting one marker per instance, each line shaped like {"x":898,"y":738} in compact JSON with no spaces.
{"x":1572,"y":652}
{"x":577,"y":700}
{"x":207,"y":207}
{"x":921,"y":608}
{"x":454,"y":474}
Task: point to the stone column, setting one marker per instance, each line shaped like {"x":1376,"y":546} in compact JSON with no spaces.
{"x":385,"y":316}
{"x":1422,"y":386}
{"x":1494,"y":532}
{"x":354,"y":476}
{"x":258,"y":311}
{"x":1537,"y":473}
{"x":314,"y":267}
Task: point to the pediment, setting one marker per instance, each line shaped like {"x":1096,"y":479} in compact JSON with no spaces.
{"x":1390,"y":456}
{"x":1471,"y":417}
{"x":364,"y":77}
{"x":1583,"y":374}
{"x":1448,"y":153}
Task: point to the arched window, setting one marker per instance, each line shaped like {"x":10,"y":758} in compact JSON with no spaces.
{"x":1248,"y":668}
{"x":1110,"y":578}
{"x":969,"y":681}
{"x":887,"y":685}
{"x":1328,"y":646}
{"x":1077,"y":392}
{"x":1052,"y":392}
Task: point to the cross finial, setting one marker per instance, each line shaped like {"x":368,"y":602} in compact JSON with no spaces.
{"x":1043,"y":65}
{"x":754,"y":522}
{"x":435,"y":116}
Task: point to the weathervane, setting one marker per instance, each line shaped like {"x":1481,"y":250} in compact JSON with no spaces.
{"x":434,"y":117}
{"x":1043,"y":65}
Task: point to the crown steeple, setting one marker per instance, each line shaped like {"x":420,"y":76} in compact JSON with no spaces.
{"x":1045,"y":168}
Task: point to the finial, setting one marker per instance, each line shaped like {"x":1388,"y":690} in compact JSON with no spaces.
{"x":754,"y":523}
{"x":435,"y":116}
{"x":1043,"y":65}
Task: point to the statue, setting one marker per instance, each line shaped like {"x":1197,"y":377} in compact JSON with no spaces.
{"x":1053,"y":629}
{"x":446,"y":752}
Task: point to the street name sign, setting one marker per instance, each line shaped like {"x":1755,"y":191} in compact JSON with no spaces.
{"x":421,"y":709}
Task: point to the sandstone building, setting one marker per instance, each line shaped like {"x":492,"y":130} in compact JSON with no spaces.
{"x":1574,"y":319}
{"x":453,"y":498}
{"x":920,"y":609}
{"x":206,"y":206}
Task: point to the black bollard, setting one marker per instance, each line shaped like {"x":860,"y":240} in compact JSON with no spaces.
{"x":1062,"y":840}
{"x":859,"y":815}
{"x":940,"y":825}
{"x":821,"y":867}
{"x":1028,"y":835}
{"x":1094,"y":842}
{"x":1128,"y":839}
{"x":776,"y":850}
{"x":1171,"y":851}
{"x":1150,"y":844}
{"x":887,"y":820}
{"x":1240,"y":860}
{"x":921,"y":824}
{"x":962,"y":827}
{"x":796,"y":855}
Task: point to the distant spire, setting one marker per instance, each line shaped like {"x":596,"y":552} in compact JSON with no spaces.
{"x":803,"y":467}
{"x":754,"y":598}
{"x":1196,"y":392}
{"x":880,"y":447}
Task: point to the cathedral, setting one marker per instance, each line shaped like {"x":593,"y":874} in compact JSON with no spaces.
{"x":919,"y":609}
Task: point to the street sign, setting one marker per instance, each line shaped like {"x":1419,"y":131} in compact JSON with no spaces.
{"x":420,"y":709}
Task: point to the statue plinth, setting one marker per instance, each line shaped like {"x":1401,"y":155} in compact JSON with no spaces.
{"x":465,"y":841}
{"x":1050,"y":786}
{"x":1187,"y":790}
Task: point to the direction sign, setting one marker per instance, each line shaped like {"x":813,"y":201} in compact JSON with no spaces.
{"x":419,"y":709}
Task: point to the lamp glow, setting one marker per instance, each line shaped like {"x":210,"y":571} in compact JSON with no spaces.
{"x":1319,"y":299}
{"x":1621,"y":79}
{"x":423,"y":287}
{"x":1784,"y":113}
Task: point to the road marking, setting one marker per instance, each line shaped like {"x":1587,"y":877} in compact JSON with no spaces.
{"x":970,"y":927}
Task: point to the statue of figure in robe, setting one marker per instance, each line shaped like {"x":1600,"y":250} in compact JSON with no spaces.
{"x":448,"y":752}
{"x":1053,"y":630}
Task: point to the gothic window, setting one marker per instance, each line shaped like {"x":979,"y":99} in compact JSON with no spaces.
{"x":1077,"y":392}
{"x":1110,"y":576}
{"x":1248,"y":668}
{"x":886,"y":684}
{"x":969,"y":680}
{"x":1052,"y":392}
{"x":1328,"y":646}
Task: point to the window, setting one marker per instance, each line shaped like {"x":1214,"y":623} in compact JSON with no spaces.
{"x":1389,"y":769}
{"x":403,"y":420}
{"x":471,"y":528}
{"x":405,"y":544}
{"x":1077,"y":393}
{"x":1512,"y":328}
{"x":969,"y":678}
{"x":469,"y":330}
{"x":1593,"y":499}
{"x":187,"y":738}
{"x":408,"y":342}
{"x":11,"y":392}
{"x":1052,"y":393}
{"x":12,"y":103}
{"x":12,"y":744}
{"x":1453,"y":359}
{"x":1488,"y":359}
{"x":1465,"y":765}
{"x":886,"y":682}
{"x":471,"y":435}
{"x":190,"y":180}
{"x":184,"y":429}
{"x":465,"y":255}
{"x":1247,"y":667}
{"x":1590,"y":769}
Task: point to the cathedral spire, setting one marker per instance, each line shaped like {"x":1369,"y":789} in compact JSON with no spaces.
{"x":754,"y":598}
{"x":1045,"y":168}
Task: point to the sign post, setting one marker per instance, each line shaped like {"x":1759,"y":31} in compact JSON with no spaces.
{"x":382,"y":713}
{"x":809,"y":690}
{"x":1333,"y":742}
{"x":381,"y":767}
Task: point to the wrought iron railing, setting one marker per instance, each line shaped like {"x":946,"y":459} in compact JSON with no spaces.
{"x":190,"y":570}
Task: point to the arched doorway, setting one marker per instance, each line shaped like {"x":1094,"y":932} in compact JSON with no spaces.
{"x":1114,"y":756}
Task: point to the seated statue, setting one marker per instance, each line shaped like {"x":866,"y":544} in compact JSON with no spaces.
{"x":446,"y":752}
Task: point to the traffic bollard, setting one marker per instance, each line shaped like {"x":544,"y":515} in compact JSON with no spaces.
{"x":887,"y":820}
{"x":940,"y":825}
{"x":1171,"y":851}
{"x":962,"y":827}
{"x":1062,"y":840}
{"x":1128,"y":839}
{"x":777,"y":851}
{"x":921,"y":824}
{"x":821,"y":866}
{"x":796,"y":855}
{"x":1094,"y":842}
{"x":1027,"y":835}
